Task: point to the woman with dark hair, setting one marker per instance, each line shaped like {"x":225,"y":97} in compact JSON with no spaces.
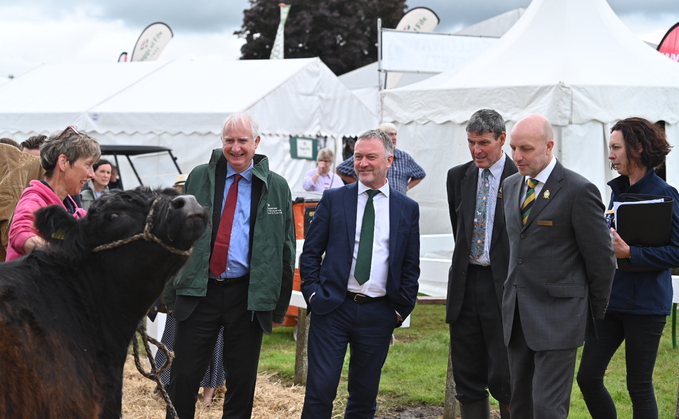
{"x":641,"y":300}
{"x":67,"y":159}
{"x":97,"y":186}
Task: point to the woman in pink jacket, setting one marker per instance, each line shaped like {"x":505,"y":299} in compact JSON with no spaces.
{"x":67,"y":159}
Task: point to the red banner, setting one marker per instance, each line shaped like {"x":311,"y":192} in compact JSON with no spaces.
{"x":669,"y":46}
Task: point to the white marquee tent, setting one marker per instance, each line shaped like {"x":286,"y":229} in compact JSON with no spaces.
{"x":572,"y":61}
{"x":182,"y":104}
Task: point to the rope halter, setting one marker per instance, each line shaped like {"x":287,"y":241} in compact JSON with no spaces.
{"x":146,"y":235}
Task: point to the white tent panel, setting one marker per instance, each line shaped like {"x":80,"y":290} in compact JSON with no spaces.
{"x":51,"y":97}
{"x":572,"y":61}
{"x":182,"y":104}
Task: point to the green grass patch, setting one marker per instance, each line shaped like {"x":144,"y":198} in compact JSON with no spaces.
{"x":415,"y":370}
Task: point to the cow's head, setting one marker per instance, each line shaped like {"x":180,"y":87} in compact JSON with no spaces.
{"x":175,"y":223}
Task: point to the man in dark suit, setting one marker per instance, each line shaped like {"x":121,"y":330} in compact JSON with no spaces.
{"x":561,"y":269}
{"x":366,"y":283}
{"x":239,"y":275}
{"x":479,"y":269}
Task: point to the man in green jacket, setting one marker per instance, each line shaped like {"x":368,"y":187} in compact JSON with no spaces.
{"x":240,"y":273}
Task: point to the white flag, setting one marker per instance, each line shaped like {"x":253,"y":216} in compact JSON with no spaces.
{"x":277,"y":52}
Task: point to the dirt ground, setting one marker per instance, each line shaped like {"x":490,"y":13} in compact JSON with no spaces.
{"x":273,"y":400}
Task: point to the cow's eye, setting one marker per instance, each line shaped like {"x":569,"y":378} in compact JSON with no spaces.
{"x":112,"y":216}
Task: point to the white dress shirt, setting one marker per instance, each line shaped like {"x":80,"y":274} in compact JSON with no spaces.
{"x":541,"y":177}
{"x":376,"y":286}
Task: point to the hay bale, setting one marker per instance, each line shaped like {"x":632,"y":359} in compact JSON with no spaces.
{"x":273,"y":400}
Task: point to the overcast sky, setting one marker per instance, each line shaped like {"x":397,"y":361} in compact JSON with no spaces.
{"x":34,"y":32}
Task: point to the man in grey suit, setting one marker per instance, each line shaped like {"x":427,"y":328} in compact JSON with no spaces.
{"x":561,"y":268}
{"x":479,"y":269}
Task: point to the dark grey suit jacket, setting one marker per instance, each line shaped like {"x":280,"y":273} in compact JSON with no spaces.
{"x":462,"y":188}
{"x":561,"y":262}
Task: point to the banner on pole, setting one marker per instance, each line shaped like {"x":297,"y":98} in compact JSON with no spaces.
{"x":669,"y":46}
{"x":278,"y":51}
{"x":418,"y":19}
{"x":151,"y":42}
{"x":429,"y":52}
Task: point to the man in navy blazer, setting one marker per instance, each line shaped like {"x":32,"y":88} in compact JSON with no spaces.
{"x":345,"y":309}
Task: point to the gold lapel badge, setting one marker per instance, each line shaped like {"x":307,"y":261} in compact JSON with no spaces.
{"x":546,"y":194}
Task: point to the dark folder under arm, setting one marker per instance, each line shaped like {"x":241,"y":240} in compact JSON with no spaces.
{"x":644,"y":225}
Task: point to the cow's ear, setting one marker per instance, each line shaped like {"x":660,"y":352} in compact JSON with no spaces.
{"x":55,"y":224}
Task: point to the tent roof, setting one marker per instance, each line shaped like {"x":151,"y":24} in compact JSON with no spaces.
{"x":571,"y":60}
{"x":297,"y":97}
{"x":496,"y":26}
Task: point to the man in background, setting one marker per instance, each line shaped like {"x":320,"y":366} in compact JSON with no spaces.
{"x":479,"y":269}
{"x":403,"y":174}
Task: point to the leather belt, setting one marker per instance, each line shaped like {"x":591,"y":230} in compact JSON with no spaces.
{"x":362,"y":298}
{"x":223,"y":281}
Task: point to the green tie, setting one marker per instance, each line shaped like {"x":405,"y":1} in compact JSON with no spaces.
{"x":365,"y":244}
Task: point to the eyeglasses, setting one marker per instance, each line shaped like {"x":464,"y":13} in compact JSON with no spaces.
{"x":72,"y":128}
{"x":325,"y":161}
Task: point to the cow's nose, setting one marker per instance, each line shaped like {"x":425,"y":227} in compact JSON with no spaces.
{"x":186,"y":203}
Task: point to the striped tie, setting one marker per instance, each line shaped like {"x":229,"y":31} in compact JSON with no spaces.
{"x":529,"y":201}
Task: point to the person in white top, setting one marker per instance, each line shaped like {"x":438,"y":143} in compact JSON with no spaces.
{"x":322,"y":178}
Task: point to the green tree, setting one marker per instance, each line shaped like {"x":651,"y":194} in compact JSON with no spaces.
{"x":343,"y":33}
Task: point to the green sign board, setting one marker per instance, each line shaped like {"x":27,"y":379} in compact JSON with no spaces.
{"x":303,"y":148}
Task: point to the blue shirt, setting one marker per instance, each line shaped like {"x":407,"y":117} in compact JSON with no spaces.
{"x":402,"y":170}
{"x":238,"y":263}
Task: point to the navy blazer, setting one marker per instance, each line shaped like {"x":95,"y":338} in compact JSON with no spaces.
{"x":325,"y":263}
{"x":462,"y":185}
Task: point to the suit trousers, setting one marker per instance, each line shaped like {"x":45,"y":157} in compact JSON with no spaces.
{"x":541,"y":380}
{"x":477,"y":347}
{"x":367,"y":329}
{"x":641,"y":334}
{"x":224,"y":305}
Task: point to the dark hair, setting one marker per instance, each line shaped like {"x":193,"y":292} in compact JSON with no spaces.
{"x":34,"y":142}
{"x":101,"y":162}
{"x":642,"y":132}
{"x":10,"y":141}
{"x":486,"y":120}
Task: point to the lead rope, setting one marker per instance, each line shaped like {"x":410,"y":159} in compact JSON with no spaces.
{"x":155,"y":373}
{"x":146,"y":235}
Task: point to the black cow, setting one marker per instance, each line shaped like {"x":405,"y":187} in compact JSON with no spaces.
{"x":69,"y":311}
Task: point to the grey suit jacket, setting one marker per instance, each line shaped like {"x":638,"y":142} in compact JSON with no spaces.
{"x":462,"y":188}
{"x":561,"y":262}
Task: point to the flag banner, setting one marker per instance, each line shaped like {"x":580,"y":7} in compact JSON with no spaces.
{"x":429,"y":52}
{"x":278,"y":52}
{"x":418,"y":19}
{"x":669,"y":46}
{"x":151,"y":42}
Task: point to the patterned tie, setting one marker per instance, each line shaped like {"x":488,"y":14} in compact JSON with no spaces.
{"x":220,"y":251}
{"x":479,"y":232}
{"x":365,"y":244}
{"x":529,"y":201}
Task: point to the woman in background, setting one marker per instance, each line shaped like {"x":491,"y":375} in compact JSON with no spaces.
{"x":640,"y":301}
{"x":97,"y":186}
{"x":322,"y":178}
{"x":68,"y":159}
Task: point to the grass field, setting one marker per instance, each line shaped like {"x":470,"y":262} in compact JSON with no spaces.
{"x":415,"y":371}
